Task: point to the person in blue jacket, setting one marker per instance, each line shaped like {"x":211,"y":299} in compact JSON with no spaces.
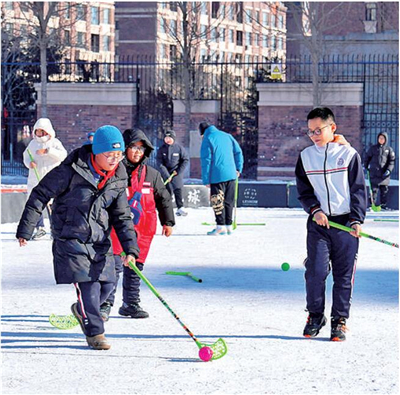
{"x":221,"y":163}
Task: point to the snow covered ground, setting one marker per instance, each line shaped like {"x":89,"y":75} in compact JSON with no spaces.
{"x":245,"y":298}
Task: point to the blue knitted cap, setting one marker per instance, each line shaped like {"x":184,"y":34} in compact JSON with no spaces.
{"x":107,"y":138}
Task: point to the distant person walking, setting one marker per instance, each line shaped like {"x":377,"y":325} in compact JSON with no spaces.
{"x":380,"y":161}
{"x":221,"y":164}
{"x":43,"y":153}
{"x":173,"y":160}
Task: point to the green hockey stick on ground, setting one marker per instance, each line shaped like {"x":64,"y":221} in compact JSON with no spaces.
{"x":219,"y":348}
{"x":347,"y":229}
{"x":234,"y":225}
{"x":63,"y":321}
{"x":187,"y":274}
{"x":373,"y":206}
{"x":240,"y":224}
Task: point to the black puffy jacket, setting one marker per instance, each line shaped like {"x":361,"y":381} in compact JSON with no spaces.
{"x":379,"y":158}
{"x":82,"y":216}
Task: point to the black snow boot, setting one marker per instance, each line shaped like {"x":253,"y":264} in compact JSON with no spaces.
{"x":133,"y":310}
{"x":105,"y":310}
{"x":338,"y":329}
{"x":314,"y":324}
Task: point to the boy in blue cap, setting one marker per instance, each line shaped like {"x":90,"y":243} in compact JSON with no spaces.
{"x":89,"y":199}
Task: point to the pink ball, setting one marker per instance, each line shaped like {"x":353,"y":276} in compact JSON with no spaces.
{"x":205,"y":354}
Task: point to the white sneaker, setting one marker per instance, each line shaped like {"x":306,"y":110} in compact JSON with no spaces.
{"x":181,"y":212}
{"x":39,"y":234}
{"x":229,"y":229}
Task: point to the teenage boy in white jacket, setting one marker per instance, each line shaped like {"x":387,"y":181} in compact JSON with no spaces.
{"x":331,"y":186}
{"x":47,"y":153}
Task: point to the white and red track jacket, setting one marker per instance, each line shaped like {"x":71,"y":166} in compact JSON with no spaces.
{"x":331,"y":179}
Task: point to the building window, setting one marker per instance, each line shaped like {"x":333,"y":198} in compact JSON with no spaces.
{"x":230,"y":12}
{"x":95,"y":15}
{"x":203,"y":8}
{"x":106,"y":16}
{"x":257,"y":39}
{"x":370,"y":12}
{"x":67,"y":66}
{"x":239,"y":12}
{"x":239,"y":37}
{"x":248,"y":16}
{"x":173,"y":6}
{"x":258,"y":16}
{"x":95,"y":43}
{"x":67,"y":14}
{"x":203,"y":31}
{"x":247,"y":59}
{"x":248,"y":38}
{"x":280,"y":21}
{"x":80,"y":40}
{"x":162,"y":25}
{"x":265,"y":41}
{"x":273,"y":43}
{"x":163,"y":4}
{"x":67,"y":37}
{"x":162,"y":51}
{"x":203,"y":55}
{"x":172,"y":26}
{"x":280,"y":43}
{"x":221,"y":35}
{"x":172,"y":52}
{"x":9,"y":28}
{"x":106,"y":43}
{"x":222,"y":11}
{"x":214,"y":35}
{"x":231,"y":36}
{"x":214,"y":9}
{"x":9,"y":5}
{"x":80,"y":12}
{"x":265,"y":19}
{"x":273,"y":20}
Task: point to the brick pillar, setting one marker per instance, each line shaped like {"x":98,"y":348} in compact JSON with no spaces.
{"x":283,"y":109}
{"x":202,"y":110}
{"x":76,"y":109}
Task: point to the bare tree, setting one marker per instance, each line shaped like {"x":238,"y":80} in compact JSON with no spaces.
{"x":45,"y":22}
{"x":188,"y":40}
{"x":313,"y":20}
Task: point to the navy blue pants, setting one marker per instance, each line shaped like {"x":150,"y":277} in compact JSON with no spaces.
{"x":330,"y":249}
{"x":90,"y":296}
{"x":130,"y":283}
{"x":223,"y":201}
{"x":384,"y":190}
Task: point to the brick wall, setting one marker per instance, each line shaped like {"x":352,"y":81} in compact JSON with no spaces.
{"x":72,"y":123}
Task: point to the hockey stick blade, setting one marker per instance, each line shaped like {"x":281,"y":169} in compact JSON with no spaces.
{"x":219,"y":348}
{"x":63,"y":321}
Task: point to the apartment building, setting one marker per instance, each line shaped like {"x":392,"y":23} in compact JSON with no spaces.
{"x":84,"y":31}
{"x":226,"y":31}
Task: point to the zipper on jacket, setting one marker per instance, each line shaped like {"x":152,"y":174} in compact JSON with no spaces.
{"x":326,"y":182}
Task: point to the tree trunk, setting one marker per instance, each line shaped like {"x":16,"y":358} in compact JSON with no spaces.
{"x":43,"y":78}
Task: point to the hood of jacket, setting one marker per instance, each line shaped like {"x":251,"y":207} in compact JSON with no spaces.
{"x":211,"y":129}
{"x":134,"y":135}
{"x":385,"y":135}
{"x":45,"y":124}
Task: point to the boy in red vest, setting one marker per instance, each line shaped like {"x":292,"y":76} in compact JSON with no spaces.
{"x":147,"y":195}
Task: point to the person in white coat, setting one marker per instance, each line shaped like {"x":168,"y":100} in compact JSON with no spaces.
{"x":43,"y":153}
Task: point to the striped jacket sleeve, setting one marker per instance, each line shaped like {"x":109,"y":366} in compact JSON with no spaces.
{"x":307,"y":198}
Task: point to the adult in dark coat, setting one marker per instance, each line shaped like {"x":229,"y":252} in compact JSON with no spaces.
{"x":147,"y":196}
{"x":89,"y":199}
{"x":172,"y":160}
{"x":380,"y":160}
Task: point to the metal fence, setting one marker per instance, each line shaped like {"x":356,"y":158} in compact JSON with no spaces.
{"x":231,"y":83}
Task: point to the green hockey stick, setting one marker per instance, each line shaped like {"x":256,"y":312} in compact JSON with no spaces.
{"x":38,"y":178}
{"x":187,"y":274}
{"x":215,"y":351}
{"x":239,"y":224}
{"x":347,"y":229}
{"x":169,"y":178}
{"x":63,"y":321}
{"x":373,"y":206}
{"x":234,"y":225}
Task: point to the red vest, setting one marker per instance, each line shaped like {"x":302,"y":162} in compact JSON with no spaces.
{"x":147,"y":226}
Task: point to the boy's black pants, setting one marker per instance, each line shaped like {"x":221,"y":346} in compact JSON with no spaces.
{"x":130,"y":282}
{"x":90,"y":296}
{"x":384,"y":190}
{"x":223,"y":201}
{"x":330,"y":249}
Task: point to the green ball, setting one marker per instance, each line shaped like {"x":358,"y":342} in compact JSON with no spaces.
{"x":285,"y":266}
